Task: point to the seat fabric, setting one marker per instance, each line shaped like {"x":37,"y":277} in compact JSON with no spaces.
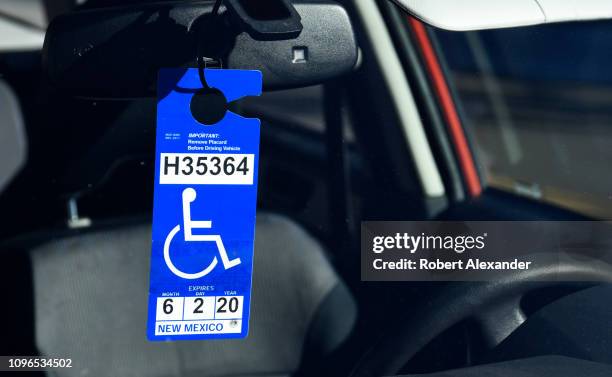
{"x":91,"y":292}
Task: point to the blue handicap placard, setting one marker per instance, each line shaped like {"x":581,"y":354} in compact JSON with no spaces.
{"x":203,"y":210}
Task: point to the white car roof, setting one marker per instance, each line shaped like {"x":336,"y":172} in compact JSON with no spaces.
{"x":22,"y":25}
{"x":465,"y":15}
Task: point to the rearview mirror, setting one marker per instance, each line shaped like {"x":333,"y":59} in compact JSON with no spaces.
{"x":116,"y":52}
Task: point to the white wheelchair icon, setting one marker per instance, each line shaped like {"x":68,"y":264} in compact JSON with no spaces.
{"x":189,"y":195}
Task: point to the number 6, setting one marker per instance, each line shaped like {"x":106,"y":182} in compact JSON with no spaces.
{"x":168,"y":306}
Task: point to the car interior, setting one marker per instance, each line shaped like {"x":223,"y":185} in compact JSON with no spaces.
{"x":391,"y":117}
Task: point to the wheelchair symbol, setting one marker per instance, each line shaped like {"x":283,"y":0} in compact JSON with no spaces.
{"x":189,"y":195}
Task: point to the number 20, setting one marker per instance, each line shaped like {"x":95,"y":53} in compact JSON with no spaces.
{"x":231,"y":304}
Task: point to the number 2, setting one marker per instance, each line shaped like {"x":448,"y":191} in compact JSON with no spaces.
{"x":198,"y":309}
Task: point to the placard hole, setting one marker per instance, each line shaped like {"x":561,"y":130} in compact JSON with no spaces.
{"x":208,"y":106}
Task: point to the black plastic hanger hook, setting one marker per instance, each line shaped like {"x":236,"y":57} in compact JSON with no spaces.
{"x":202,"y":60}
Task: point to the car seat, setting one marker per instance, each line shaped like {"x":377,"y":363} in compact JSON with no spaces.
{"x":90,"y":304}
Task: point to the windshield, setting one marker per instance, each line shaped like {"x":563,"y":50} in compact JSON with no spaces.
{"x":537,"y":101}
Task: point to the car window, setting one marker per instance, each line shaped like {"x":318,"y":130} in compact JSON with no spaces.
{"x":537,"y":102}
